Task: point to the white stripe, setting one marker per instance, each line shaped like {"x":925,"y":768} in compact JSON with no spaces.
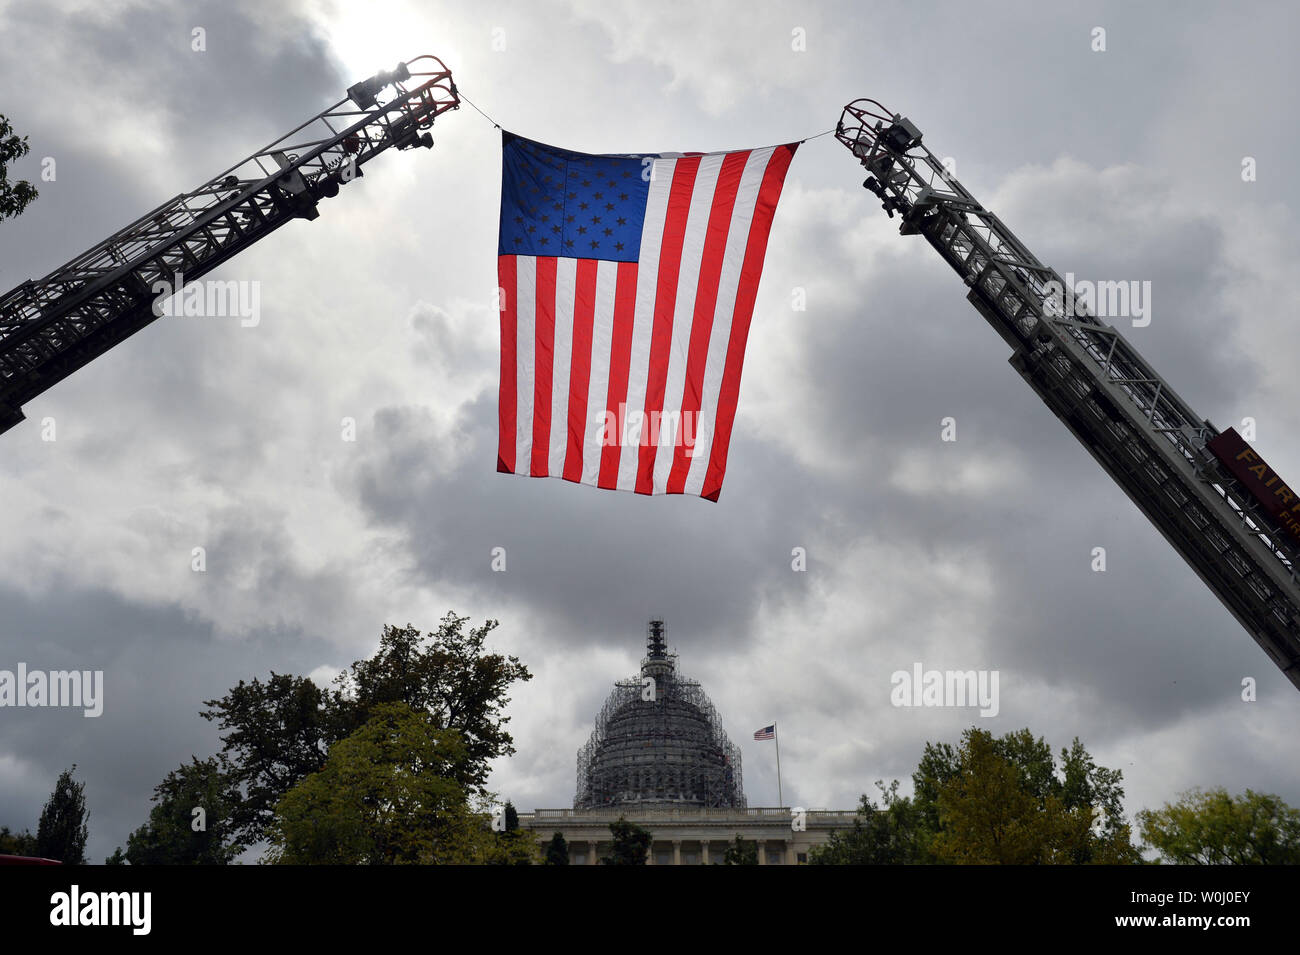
{"x":566,"y":280}
{"x":525,"y":373}
{"x":602,"y":335}
{"x":742,"y":218}
{"x":688,"y":287}
{"x":652,"y":235}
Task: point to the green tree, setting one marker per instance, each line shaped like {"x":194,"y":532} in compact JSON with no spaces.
{"x":741,"y":852}
{"x":117,"y":858}
{"x":15,"y":196}
{"x":557,"y":850}
{"x":631,"y":843}
{"x":175,"y":833}
{"x":888,"y":834}
{"x":385,"y":795}
{"x":1001,"y":800}
{"x":1216,"y":828}
{"x":17,"y":843}
{"x":516,"y":847}
{"x":62,"y":831}
{"x":512,"y":817}
{"x":448,"y":674}
{"x":277,"y":733}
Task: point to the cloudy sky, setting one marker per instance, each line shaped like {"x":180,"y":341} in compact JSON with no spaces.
{"x":973,"y":554}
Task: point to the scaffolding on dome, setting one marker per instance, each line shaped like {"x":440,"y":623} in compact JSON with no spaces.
{"x":659,"y":741}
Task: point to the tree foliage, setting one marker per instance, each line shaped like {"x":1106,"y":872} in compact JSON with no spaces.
{"x":17,"y":843}
{"x":631,"y":843}
{"x":14,"y":196}
{"x":447,"y":674}
{"x":992,"y":800}
{"x":277,"y":733}
{"x":885,"y":834}
{"x":1003,"y":800}
{"x":175,"y":834}
{"x":557,"y":850}
{"x":62,"y":831}
{"x":387,"y":794}
{"x":741,"y":852}
{"x":1216,"y":828}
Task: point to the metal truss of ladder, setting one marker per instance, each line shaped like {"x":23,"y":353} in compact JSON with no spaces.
{"x":51,"y":327}
{"x":1129,"y":418}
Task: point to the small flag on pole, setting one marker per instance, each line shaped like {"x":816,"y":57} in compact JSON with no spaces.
{"x":767,"y":732}
{"x":627,"y":285}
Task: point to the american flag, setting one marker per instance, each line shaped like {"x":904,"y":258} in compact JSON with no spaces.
{"x":627,"y":284}
{"x":767,"y":732}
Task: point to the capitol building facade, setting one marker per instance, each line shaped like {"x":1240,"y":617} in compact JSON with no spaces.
{"x":660,"y":758}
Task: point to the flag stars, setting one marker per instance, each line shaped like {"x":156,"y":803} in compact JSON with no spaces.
{"x":594,"y":243}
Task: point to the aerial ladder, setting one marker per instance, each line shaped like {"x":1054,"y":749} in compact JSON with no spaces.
{"x":1169,"y":461}
{"x":51,"y":327}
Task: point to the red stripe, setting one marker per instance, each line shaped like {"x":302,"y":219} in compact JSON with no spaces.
{"x":543,"y":365}
{"x":508,"y":400}
{"x":661,"y":335}
{"x":584,"y":313}
{"x":768,"y":193}
{"x":620,"y":358}
{"x":706,"y":301}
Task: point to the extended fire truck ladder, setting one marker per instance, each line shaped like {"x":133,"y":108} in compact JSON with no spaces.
{"x":50,"y":328}
{"x":1137,"y":427}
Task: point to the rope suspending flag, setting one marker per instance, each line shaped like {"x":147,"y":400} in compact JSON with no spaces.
{"x":627,"y":284}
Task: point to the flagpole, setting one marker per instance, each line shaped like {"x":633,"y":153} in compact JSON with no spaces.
{"x":777,"y":737}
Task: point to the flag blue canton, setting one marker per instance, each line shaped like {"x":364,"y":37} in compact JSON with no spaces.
{"x":560,"y":203}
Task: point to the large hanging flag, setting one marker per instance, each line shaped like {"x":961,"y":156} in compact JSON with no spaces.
{"x":627,"y":284}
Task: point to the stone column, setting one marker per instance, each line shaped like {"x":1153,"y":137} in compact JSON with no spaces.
{"x":762,"y":851}
{"x":704,"y":852}
{"x":677,"y":852}
{"x":595,"y":860}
